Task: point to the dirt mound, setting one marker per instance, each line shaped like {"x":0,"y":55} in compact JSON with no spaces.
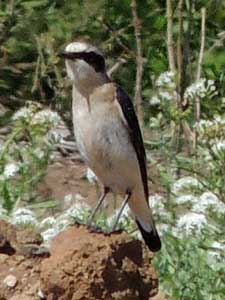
{"x":82,"y":265}
{"x":94,"y":266}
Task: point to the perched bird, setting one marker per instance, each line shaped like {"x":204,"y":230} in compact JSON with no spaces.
{"x":108,"y":134}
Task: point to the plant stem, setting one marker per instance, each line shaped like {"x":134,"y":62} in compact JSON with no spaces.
{"x":139,"y":62}
{"x":199,"y":71}
{"x":9,"y":141}
{"x":170,"y":49}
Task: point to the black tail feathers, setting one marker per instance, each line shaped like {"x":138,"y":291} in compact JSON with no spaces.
{"x":151,"y":238}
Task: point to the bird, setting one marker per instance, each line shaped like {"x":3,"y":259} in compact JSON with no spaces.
{"x":108,"y":135}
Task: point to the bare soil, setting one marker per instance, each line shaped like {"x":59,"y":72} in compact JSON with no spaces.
{"x":83,"y":264}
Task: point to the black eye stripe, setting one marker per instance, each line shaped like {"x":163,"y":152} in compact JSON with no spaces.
{"x":95,"y":60}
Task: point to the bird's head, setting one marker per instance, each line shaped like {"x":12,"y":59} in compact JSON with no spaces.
{"x":85,"y":63}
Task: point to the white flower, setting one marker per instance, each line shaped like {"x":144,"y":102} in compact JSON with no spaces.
{"x":68,"y":198}
{"x":154,"y":100}
{"x":165,"y":96}
{"x":203,"y":88}
{"x":211,"y":82}
{"x":209,"y":201}
{"x":46,"y":117}
{"x":90,"y":175}
{"x":23,"y":113}
{"x":47,"y":222}
{"x":191,"y":222}
{"x":61,"y":224}
{"x":10,"y":170}
{"x":77,"y":210}
{"x":157,"y":205}
{"x":166,"y":79}
{"x":23,"y":216}
{"x":163,"y":228}
{"x":54,"y":136}
{"x":154,"y":122}
{"x":220,"y":120}
{"x":203,"y":124}
{"x":218,"y":147}
{"x":183,"y":183}
{"x":23,"y":211}
{"x":212,"y":88}
{"x":49,"y":234}
{"x":185,"y":199}
{"x":216,"y":254}
{"x":39,"y":153}
{"x":218,"y":246}
{"x":213,"y":132}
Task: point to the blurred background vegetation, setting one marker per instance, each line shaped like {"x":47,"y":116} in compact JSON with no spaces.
{"x":33,"y":32}
{"x":181,"y":106}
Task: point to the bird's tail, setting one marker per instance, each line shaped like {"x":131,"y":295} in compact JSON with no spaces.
{"x":151,"y":238}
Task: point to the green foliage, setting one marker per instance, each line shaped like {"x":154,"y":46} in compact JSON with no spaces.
{"x":186,"y":270}
{"x":25,"y":154}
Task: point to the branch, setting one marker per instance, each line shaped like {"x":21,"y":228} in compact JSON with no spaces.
{"x":179,"y":51}
{"x":201,"y":53}
{"x":118,"y":64}
{"x":170,"y":50}
{"x":116,"y":36}
{"x":219,"y":42}
{"x":139,"y":61}
{"x":199,"y":71}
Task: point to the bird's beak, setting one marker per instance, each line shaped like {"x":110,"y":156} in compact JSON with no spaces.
{"x":69,"y":55}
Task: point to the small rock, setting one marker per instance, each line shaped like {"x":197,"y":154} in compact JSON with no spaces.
{"x":41,"y":294}
{"x":10,"y":281}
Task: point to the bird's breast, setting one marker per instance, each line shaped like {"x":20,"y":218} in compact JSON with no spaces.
{"x":104,"y":142}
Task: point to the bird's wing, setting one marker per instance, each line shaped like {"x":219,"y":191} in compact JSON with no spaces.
{"x":135,"y":133}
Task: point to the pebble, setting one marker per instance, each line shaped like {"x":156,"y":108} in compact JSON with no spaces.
{"x":41,"y":294}
{"x":10,"y":281}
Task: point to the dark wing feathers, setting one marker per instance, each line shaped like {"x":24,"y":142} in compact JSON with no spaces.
{"x":135,"y":134}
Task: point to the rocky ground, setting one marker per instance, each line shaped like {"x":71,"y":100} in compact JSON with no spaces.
{"x":80,"y":264}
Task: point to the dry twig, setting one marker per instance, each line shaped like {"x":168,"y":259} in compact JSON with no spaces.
{"x":199,"y":71}
{"x":139,"y":62}
{"x":116,"y":66}
{"x":170,"y":49}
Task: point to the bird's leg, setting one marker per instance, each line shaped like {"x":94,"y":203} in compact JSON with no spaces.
{"x":125,"y":201}
{"x":101,"y":199}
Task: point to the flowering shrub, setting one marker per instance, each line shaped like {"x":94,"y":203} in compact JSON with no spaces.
{"x":211,"y":151}
{"x":166,"y":80}
{"x":203,"y":89}
{"x":26,"y":153}
{"x":166,"y":89}
{"x":191,"y":228}
{"x":190,"y":217}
